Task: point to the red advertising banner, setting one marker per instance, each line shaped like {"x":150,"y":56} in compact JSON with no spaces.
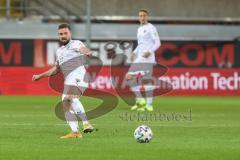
{"x":203,"y":82}
{"x":186,"y":82}
{"x":16,"y":52}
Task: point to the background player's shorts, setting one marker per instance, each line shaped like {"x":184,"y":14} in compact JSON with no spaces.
{"x":141,"y":69}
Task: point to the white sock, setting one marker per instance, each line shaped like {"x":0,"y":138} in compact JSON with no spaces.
{"x":149,"y":100}
{"x":72,"y":121}
{"x":136,"y":91}
{"x":79,"y":110}
{"x":149,"y":93}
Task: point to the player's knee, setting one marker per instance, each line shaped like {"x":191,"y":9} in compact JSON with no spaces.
{"x":69,"y":97}
{"x":67,"y":100}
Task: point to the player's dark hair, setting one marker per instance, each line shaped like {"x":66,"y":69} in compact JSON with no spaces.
{"x":64,"y":25}
{"x":144,"y":10}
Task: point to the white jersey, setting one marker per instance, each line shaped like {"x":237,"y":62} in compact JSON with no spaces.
{"x":65,"y":55}
{"x":68,"y":51}
{"x":148,"y":41}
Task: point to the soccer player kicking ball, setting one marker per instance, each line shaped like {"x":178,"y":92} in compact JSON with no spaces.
{"x":143,"y":60}
{"x":70,"y":62}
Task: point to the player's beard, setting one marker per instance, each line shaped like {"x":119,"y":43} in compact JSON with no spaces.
{"x":65,"y":42}
{"x":144,"y":22}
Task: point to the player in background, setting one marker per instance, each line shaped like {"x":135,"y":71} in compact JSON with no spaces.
{"x":68,"y":61}
{"x":143,"y":60}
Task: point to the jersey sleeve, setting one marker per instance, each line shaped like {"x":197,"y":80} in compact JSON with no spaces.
{"x":137,"y":48}
{"x":156,"y":39}
{"x":77,"y":45}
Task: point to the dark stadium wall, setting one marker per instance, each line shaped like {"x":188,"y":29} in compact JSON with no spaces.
{"x":173,"y":54}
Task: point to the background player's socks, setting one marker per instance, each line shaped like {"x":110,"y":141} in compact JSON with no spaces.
{"x":72,"y":121}
{"x":138,"y":97}
{"x":149,"y":101}
{"x":135,"y":88}
{"x":79,"y":110}
{"x":136,"y":91}
{"x":149,"y":93}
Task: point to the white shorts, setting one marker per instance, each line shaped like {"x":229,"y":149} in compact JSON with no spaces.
{"x":75,"y":83}
{"x":143,"y":70}
{"x":76,"y":77}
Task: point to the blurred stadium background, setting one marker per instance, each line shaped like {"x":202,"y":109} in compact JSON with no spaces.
{"x":199,"y":38}
{"x":200,"y":46}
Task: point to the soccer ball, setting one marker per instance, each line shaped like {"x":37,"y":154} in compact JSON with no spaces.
{"x":143,"y":134}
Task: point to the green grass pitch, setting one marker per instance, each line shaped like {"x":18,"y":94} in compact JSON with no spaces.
{"x":29,"y":129}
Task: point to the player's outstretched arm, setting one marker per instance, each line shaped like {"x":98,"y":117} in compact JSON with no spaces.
{"x":54,"y":70}
{"x":85,"y":51}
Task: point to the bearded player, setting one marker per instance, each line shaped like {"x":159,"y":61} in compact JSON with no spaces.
{"x":69,"y":61}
